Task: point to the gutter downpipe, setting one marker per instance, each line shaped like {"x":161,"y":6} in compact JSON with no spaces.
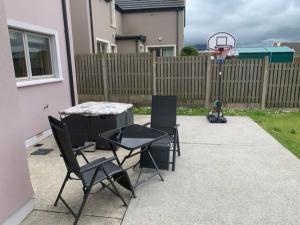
{"x":177,"y":30}
{"x":92,"y":26}
{"x":68,"y":48}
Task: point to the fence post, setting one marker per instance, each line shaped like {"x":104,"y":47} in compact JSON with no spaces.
{"x":265,"y":82}
{"x":104,"y":76}
{"x":154,"y":72}
{"x":208,"y":81}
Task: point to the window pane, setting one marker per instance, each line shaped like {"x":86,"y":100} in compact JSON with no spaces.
{"x":39,"y":52}
{"x":18,"y":54}
{"x":156,"y":50}
{"x":168,"y":51}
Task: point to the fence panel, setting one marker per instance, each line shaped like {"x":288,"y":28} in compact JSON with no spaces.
{"x":130,"y":77}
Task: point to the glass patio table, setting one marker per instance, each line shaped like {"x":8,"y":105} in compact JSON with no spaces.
{"x":135,"y":139}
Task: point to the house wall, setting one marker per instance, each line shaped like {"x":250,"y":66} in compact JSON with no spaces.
{"x":101,"y":20}
{"x":154,"y":25}
{"x":81,"y":28}
{"x":38,"y":101}
{"x":127,"y":46}
{"x":119,"y":18}
{"x":15,"y":187}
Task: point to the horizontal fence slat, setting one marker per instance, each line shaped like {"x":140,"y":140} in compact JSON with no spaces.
{"x":130,"y":78}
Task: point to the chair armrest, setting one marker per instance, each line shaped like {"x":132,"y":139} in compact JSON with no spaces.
{"x":82,"y":147}
{"x":100,"y":164}
{"x":146,"y":124}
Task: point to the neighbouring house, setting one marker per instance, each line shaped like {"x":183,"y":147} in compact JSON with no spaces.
{"x":36,"y":80}
{"x":292,"y":45}
{"x":128,"y":26}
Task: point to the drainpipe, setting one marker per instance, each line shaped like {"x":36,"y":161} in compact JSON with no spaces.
{"x":177,"y":31}
{"x":92,"y":26}
{"x":69,"y":58}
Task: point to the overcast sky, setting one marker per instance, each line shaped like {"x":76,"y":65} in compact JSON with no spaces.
{"x":252,"y":22}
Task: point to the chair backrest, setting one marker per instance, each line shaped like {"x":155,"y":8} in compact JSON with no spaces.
{"x":62,"y":138}
{"x":163,"y":113}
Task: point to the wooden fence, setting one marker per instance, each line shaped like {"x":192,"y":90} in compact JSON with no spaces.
{"x":194,"y":79}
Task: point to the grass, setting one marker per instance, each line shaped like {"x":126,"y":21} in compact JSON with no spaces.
{"x":282,"y":125}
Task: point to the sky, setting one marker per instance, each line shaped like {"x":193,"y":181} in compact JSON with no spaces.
{"x":252,"y":22}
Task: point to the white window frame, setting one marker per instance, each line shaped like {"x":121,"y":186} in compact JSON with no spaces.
{"x":54,"y":53}
{"x":115,"y":46}
{"x":103,"y":41}
{"x":161,"y":46}
{"x":112,"y":9}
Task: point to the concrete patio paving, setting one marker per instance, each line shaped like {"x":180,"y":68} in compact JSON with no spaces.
{"x":232,"y":173}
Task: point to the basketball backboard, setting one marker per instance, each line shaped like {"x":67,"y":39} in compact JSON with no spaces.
{"x":221,"y":40}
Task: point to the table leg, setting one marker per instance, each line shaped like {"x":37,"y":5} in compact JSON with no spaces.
{"x":154,"y":163}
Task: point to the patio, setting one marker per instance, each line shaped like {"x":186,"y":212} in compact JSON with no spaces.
{"x":228,"y":174}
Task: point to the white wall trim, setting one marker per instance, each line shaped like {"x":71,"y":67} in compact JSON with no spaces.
{"x":105,"y":41}
{"x":114,"y":45}
{"x":26,"y":83}
{"x":47,"y":31}
{"x":20,"y":214}
{"x":157,"y":46}
{"x":37,"y":138}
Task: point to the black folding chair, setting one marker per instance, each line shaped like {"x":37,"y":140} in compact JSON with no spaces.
{"x":163,"y":117}
{"x":89,"y":174}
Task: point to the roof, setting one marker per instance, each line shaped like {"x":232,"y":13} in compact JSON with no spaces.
{"x":143,"y":5}
{"x":264,"y":50}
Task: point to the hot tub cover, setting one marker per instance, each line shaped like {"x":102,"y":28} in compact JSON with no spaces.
{"x":97,"y":108}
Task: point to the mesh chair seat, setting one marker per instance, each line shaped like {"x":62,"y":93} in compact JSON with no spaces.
{"x":109,"y":167}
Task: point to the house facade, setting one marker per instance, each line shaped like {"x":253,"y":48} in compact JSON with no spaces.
{"x":128,"y":26}
{"x":36,"y":80}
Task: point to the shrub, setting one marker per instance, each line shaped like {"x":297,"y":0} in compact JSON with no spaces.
{"x":189,"y":51}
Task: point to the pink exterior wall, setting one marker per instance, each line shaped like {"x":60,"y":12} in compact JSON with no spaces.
{"x":15,"y":186}
{"x":56,"y":96}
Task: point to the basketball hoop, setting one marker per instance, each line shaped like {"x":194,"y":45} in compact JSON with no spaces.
{"x":221,"y":45}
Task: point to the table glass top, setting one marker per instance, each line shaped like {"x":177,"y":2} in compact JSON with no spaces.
{"x":133,"y":136}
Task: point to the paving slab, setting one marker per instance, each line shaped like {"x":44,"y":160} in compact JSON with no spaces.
{"x":51,"y":218}
{"x":233,"y":173}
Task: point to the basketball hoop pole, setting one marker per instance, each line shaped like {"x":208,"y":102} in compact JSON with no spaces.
{"x":219,"y":91}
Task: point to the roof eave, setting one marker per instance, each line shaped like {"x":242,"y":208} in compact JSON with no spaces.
{"x":161,"y":9}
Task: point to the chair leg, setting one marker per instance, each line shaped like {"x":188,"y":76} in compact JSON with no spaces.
{"x":117,"y":191}
{"x":62,"y":188}
{"x":154,"y":163}
{"x":174,"y":154}
{"x":85,"y":197}
{"x":177,"y":142}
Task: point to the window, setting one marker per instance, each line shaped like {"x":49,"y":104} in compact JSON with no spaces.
{"x":31,"y":54}
{"x":112,"y":13}
{"x":102,"y":46}
{"x":162,"y":51}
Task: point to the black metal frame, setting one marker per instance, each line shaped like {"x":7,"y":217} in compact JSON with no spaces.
{"x":157,"y":102}
{"x":81,"y":171}
{"x":131,"y":154}
{"x":142,"y":148}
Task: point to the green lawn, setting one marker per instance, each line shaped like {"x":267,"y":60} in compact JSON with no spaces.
{"x":282,"y":125}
